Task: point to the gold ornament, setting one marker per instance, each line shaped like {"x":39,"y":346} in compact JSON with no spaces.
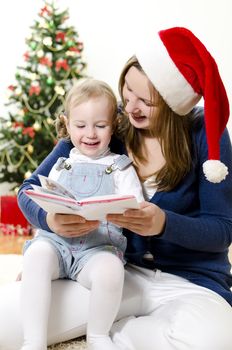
{"x":30,"y":149}
{"x":59,"y":90}
{"x":49,"y":121}
{"x":27,"y":174}
{"x":36,"y":126}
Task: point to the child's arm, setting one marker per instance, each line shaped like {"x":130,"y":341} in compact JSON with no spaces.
{"x":127,"y":182}
{"x":34,"y":214}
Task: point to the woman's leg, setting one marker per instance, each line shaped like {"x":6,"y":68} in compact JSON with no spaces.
{"x":180,"y":315}
{"x":40,"y":267}
{"x":68,"y":312}
{"x":103,"y":274}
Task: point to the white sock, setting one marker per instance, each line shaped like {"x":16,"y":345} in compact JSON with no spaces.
{"x":100,"y":342}
{"x":40,"y":267}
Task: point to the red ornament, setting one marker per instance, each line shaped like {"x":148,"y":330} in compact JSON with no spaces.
{"x":62,"y":64}
{"x":29,"y":131}
{"x":11,"y":87}
{"x":60,"y":36}
{"x":45,"y":61}
{"x":17,"y":125}
{"x":26,"y":56}
{"x":74,"y":49}
{"x":34,"y":90}
{"x":44,"y":10}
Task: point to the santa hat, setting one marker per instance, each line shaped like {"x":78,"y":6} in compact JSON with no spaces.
{"x":182,"y":71}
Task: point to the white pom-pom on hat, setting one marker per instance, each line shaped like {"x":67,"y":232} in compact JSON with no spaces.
{"x":215,"y":171}
{"x":182,"y":71}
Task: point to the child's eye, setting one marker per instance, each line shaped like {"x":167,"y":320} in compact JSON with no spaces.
{"x":100,"y":126}
{"x":80,"y":126}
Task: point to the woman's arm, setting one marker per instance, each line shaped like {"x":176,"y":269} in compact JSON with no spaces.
{"x":209,"y":228}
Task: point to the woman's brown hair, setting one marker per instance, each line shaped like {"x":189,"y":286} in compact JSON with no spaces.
{"x":172,"y":131}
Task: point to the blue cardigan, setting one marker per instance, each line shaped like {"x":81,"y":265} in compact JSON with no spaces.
{"x":198,"y":230}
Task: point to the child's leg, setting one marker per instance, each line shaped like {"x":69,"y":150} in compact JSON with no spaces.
{"x":40,"y":266}
{"x":104,"y":275}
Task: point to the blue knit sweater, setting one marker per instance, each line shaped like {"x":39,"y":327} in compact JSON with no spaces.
{"x":198,"y":230}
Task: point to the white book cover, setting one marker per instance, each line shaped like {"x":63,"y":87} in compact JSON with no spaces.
{"x":54,"y":198}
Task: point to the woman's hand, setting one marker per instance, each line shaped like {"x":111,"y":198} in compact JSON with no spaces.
{"x":68,"y":225}
{"x":149,"y":220}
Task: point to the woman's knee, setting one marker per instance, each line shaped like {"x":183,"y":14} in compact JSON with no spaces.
{"x":181,"y":325}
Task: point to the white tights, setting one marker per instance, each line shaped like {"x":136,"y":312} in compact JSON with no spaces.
{"x":103,"y":274}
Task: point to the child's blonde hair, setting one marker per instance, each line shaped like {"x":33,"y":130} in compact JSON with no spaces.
{"x":82,"y":92}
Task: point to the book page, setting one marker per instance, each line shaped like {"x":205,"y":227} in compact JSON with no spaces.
{"x":55,"y":187}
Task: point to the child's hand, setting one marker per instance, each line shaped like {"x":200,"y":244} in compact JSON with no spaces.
{"x":69,"y":225}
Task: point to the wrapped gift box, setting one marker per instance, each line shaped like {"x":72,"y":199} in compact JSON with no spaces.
{"x":12,"y":220}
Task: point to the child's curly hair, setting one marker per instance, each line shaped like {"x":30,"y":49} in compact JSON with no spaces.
{"x":81,"y":92}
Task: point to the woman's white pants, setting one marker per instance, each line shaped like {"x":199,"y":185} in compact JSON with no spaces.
{"x":159,"y":311}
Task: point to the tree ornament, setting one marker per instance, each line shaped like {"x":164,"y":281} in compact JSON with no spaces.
{"x":30,"y":149}
{"x":45,"y":61}
{"x":33,"y":45}
{"x":27,"y":174}
{"x":50,"y":121}
{"x":40,"y":53}
{"x":50,"y":81}
{"x":37,"y":126}
{"x":70,"y":43}
{"x":18,"y":91}
{"x":47,"y":41}
{"x":59,"y":90}
{"x":60,"y":36}
{"x":33,"y":76}
{"x":51,"y":25}
{"x":62,"y":64}
{"x":34,"y":89}
{"x":26,"y":56}
{"x":11,"y":168}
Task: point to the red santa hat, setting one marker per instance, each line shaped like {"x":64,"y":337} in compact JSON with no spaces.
{"x":182,"y":71}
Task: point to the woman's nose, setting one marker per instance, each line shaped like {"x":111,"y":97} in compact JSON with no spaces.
{"x":131,"y":106}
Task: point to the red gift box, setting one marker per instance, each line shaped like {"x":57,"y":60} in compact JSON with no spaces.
{"x":12,"y":220}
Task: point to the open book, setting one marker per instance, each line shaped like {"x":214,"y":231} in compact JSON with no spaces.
{"x":54,"y":198}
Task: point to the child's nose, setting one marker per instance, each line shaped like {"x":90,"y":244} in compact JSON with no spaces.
{"x":91,"y":133}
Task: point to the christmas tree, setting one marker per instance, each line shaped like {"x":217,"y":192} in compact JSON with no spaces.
{"x":52,"y":63}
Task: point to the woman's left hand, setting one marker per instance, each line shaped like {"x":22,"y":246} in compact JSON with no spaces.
{"x":149,"y":220}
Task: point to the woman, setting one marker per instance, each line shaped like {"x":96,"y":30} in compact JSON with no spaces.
{"x":177,"y":286}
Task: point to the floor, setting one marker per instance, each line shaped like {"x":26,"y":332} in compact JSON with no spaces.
{"x":12,"y":244}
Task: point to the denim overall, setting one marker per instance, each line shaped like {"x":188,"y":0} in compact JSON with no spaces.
{"x":85,"y":180}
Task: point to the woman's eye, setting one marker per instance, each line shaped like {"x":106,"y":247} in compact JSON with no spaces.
{"x":149,"y":104}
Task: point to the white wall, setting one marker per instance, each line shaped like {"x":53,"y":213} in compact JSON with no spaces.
{"x":110,"y":29}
